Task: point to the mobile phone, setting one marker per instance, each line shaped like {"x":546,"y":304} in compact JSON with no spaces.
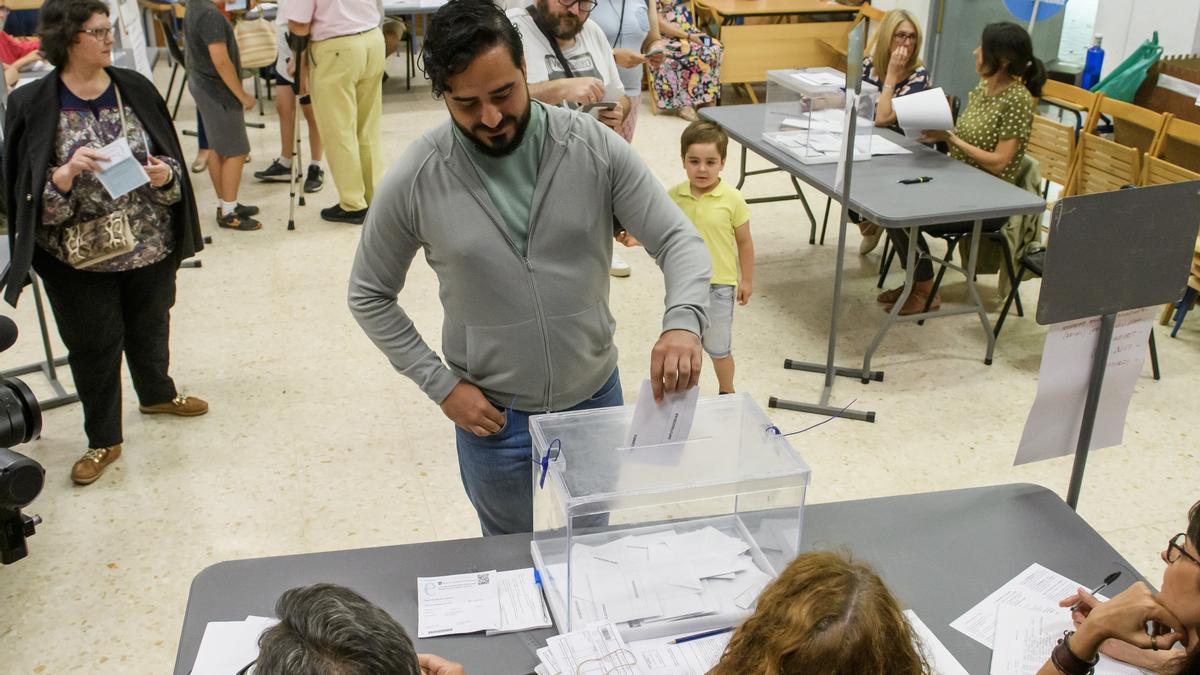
{"x":594,"y":109}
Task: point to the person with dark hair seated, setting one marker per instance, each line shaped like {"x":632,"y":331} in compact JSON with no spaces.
{"x":824,"y":614}
{"x":326,"y":628}
{"x":1118,"y":627}
{"x":991,"y":134}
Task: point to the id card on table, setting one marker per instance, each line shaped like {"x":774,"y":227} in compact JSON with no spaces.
{"x":121,"y":173}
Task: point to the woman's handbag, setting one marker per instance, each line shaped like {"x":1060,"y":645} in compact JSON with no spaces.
{"x":94,"y":241}
{"x":256,"y":43}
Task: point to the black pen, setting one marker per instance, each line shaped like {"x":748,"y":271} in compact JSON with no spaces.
{"x":914,"y":181}
{"x":1107,"y":580}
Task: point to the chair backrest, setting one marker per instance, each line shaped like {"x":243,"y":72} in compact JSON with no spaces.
{"x":1157,"y":171}
{"x":1053,"y":146}
{"x":1104,"y":165}
{"x":1067,"y":95}
{"x":1133,"y":125}
{"x":171,"y":37}
{"x":1179,"y":143}
{"x":873,"y":13}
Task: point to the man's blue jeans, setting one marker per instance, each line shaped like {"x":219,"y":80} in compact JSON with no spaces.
{"x":497,"y":470}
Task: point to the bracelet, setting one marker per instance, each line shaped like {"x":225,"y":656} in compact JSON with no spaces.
{"x":1067,"y":662}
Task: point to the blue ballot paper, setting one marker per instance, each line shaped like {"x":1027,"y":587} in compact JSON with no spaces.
{"x":121,"y":173}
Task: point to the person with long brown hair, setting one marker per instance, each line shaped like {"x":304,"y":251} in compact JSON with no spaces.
{"x":825,"y":615}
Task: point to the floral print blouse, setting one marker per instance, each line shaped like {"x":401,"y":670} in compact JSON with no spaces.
{"x":96,"y":123}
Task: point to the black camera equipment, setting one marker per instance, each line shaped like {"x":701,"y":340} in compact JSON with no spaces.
{"x":21,"y":478}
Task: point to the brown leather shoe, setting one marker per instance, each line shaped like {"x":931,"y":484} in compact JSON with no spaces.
{"x":93,"y":463}
{"x":915,"y":304}
{"x":184,"y":406}
{"x":890,"y":297}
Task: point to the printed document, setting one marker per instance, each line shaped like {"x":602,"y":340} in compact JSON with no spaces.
{"x":1052,"y":429}
{"x":1025,"y":638}
{"x":1037,"y":588}
{"x":940,"y":659}
{"x":121,"y":173}
{"x":459,"y":603}
{"x":227,"y":646}
{"x":522,"y":606}
{"x":694,"y":657}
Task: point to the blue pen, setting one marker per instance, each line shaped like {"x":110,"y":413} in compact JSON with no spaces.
{"x":700,"y":636}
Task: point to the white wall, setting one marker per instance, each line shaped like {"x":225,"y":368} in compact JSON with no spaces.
{"x":1125,"y":24}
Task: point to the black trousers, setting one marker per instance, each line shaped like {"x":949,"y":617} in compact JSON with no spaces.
{"x":101,"y":315}
{"x":899,"y":238}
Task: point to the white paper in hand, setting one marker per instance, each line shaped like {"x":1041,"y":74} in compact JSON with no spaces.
{"x":924,"y":110}
{"x":670,"y":422}
{"x":121,"y":173}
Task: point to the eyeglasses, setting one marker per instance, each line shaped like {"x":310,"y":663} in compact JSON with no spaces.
{"x":905,"y":37}
{"x":583,"y":5}
{"x":1175,"y":549}
{"x":100,"y":34}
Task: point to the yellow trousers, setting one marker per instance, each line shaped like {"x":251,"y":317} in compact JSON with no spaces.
{"x":346,"y":86}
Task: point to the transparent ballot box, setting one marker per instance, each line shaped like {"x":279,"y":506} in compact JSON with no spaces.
{"x":663,"y":539}
{"x":806,"y":114}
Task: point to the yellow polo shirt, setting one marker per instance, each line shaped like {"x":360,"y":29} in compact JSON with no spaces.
{"x":717,"y":215}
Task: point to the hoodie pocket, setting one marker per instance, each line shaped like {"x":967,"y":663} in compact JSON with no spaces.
{"x":507,"y":359}
{"x":579,"y":345}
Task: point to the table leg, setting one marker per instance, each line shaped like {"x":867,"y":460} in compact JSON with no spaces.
{"x":910,"y":270}
{"x":973,"y":292}
{"x":742,"y":171}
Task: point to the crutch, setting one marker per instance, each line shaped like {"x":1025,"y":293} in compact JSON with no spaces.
{"x":297,"y":43}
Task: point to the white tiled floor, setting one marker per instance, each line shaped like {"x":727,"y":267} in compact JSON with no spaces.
{"x":314,"y":443}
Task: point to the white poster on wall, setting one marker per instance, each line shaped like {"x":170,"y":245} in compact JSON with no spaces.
{"x":128,"y":31}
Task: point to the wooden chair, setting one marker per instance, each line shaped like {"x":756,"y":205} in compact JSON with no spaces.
{"x":1130,"y":125}
{"x":1179,"y":143}
{"x":1053,"y":146}
{"x":1102,"y":165}
{"x":1078,"y":101}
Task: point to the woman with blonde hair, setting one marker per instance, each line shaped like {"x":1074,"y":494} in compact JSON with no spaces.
{"x":894,"y":66}
{"x":825,"y":615}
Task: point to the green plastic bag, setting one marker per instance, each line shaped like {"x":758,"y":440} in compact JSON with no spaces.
{"x":1123,"y":82}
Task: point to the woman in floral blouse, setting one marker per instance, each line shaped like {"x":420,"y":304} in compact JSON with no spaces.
{"x":56,"y":129}
{"x":895,"y":67}
{"x":690,"y":77}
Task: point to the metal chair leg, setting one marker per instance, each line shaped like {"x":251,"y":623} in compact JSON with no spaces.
{"x":951,"y":243}
{"x":1185,"y":304}
{"x":1013,"y":293}
{"x":1008,"y":265}
{"x":885,"y":263}
{"x":825,"y":220}
{"x":1154,"y":356}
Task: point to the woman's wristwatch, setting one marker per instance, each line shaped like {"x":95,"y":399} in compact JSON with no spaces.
{"x":1067,"y":662}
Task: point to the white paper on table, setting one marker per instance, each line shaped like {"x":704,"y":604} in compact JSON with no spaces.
{"x":924,"y":110}
{"x":694,"y":657}
{"x":522,"y":606}
{"x":655,"y":424}
{"x":1036,"y":588}
{"x":121,"y":173}
{"x":882,"y":146}
{"x":1052,"y":428}
{"x":940,"y":659}
{"x":458,"y":603}
{"x":599,"y":643}
{"x":227,"y":646}
{"x":1025,"y":638}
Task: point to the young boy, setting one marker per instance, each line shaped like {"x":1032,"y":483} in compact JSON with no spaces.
{"x":721,"y":215}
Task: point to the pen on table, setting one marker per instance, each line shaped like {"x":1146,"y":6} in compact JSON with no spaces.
{"x":914,"y":181}
{"x":698,"y":636}
{"x":1107,"y":580}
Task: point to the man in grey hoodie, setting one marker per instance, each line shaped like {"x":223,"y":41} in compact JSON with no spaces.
{"x":512,"y":202}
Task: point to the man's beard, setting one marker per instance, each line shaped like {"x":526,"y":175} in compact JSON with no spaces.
{"x":497,"y":150}
{"x":554,"y":25}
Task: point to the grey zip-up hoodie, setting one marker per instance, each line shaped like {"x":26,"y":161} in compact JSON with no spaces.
{"x":533,"y":331}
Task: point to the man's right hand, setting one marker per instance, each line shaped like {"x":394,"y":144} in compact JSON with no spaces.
{"x":248,"y":101}
{"x":467,"y":407}
{"x":582,"y":90}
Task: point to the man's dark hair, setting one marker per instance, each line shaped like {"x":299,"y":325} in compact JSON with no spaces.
{"x":326,"y":628}
{"x":59,"y":23}
{"x":704,"y":131}
{"x":460,"y":31}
